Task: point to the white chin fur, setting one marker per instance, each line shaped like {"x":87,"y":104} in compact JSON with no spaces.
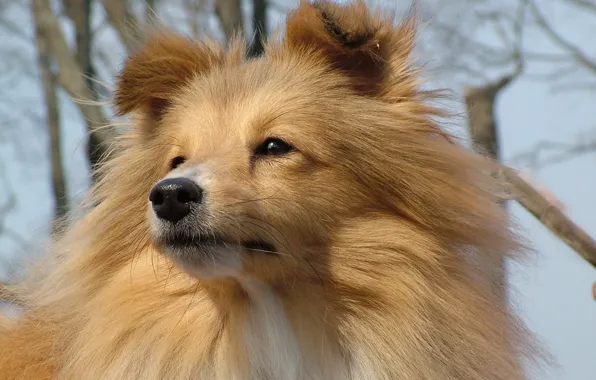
{"x":219,"y":262}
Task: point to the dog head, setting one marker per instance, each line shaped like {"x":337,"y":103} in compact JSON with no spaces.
{"x":260,"y":163}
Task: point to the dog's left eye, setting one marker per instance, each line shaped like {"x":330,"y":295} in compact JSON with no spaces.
{"x":273,"y":147}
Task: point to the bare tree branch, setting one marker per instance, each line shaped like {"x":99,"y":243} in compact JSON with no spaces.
{"x":193,"y":9}
{"x":230,"y":17}
{"x":574,"y":86}
{"x":480,"y":103}
{"x":561,"y":42}
{"x":482,"y":124}
{"x":546,"y":153}
{"x":259,"y":18}
{"x":552,"y":217}
{"x":14,"y":29}
{"x":229,"y":13}
{"x":79,"y":12}
{"x":6,"y":207}
{"x":50,"y":85}
{"x":478,"y":57}
{"x":71,"y":76}
{"x":124,"y":22}
{"x":589,"y":5}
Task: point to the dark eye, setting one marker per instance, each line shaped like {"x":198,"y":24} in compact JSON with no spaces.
{"x":273,"y":147}
{"x":177,"y":161}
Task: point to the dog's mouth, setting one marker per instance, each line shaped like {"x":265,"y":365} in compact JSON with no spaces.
{"x":211,"y":241}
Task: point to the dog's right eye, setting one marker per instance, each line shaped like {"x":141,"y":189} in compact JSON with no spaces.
{"x":176,"y":161}
{"x":273,"y":147}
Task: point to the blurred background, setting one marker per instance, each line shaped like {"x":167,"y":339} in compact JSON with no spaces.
{"x":523,"y":73}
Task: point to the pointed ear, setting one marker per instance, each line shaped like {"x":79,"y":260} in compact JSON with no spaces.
{"x":366,"y":47}
{"x":156,"y":73}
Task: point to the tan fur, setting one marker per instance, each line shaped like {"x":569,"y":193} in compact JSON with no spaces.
{"x":380,"y":218}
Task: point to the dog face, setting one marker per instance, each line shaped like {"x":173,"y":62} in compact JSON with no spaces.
{"x":256,"y":176}
{"x":262,"y":162}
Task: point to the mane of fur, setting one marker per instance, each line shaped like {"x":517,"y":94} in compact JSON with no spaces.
{"x":399,"y":292}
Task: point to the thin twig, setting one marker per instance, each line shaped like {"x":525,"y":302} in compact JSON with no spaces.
{"x":575,"y":52}
{"x":545,"y":153}
{"x":552,"y":217}
{"x":589,"y":5}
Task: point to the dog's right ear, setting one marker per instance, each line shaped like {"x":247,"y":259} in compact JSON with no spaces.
{"x":365,"y":46}
{"x":156,"y":73}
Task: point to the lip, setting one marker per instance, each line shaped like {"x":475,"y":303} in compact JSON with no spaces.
{"x":210,"y":241}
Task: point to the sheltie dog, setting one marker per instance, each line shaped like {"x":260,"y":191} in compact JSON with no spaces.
{"x":296,"y":216}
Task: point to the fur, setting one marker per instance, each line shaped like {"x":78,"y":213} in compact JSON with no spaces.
{"x":379,"y":218}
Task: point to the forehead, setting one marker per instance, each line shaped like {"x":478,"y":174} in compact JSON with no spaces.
{"x":249,"y":95}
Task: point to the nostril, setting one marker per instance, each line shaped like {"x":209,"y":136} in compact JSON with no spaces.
{"x":185,"y":196}
{"x":156,"y":196}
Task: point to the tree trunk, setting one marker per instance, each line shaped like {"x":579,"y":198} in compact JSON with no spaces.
{"x":123,"y":21}
{"x":259,"y":26}
{"x":482,"y":124}
{"x":79,"y":12}
{"x":49,"y":84}
{"x":480,"y":102}
{"x":71,"y":78}
{"x":229,"y":13}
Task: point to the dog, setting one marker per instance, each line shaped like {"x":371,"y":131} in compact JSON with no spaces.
{"x":301,"y":215}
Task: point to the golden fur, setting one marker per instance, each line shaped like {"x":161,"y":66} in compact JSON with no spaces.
{"x":379,"y":217}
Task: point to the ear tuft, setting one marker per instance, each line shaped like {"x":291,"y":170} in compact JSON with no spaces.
{"x":349,"y":27}
{"x":366,"y":47}
{"x":156,"y":73}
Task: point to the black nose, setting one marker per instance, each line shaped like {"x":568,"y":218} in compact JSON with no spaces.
{"x":172,"y":198}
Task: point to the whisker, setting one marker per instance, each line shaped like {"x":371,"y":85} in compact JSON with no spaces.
{"x":167,"y":278}
{"x":317,"y":274}
{"x":284,"y":246}
{"x":265,"y":251}
{"x":288,"y":253}
{"x":245,"y":201}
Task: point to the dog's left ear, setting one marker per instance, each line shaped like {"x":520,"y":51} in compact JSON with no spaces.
{"x":368,"y":48}
{"x":159,"y":70}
